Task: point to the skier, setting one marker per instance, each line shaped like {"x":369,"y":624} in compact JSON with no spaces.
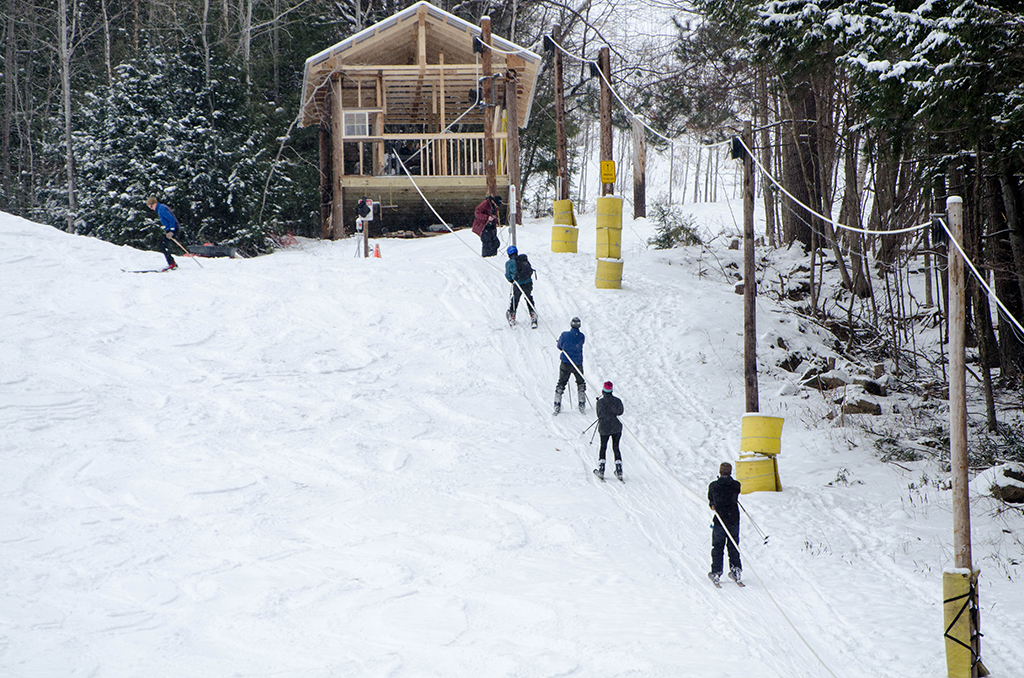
{"x":608,"y":426}
{"x":170,"y":226}
{"x":570,"y":345}
{"x":519,"y":272}
{"x":722,"y":497}
{"x":485,"y":225}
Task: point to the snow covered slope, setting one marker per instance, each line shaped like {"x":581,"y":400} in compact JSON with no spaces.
{"x":312,"y":464}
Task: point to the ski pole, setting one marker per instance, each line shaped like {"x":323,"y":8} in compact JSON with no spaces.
{"x":590,"y":427}
{"x":763,"y":535}
{"x":183,"y":249}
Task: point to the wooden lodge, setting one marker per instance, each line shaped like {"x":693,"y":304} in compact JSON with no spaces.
{"x":413,"y":90}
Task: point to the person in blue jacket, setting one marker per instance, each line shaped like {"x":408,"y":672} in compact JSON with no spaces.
{"x":170,"y":226}
{"x":519,"y":272}
{"x":570,"y":346}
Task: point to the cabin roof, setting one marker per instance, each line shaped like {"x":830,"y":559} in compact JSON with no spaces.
{"x":392,"y":49}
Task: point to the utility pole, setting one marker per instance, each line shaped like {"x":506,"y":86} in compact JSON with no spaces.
{"x":749,"y":277}
{"x":488,"y":95}
{"x":605,"y":65}
{"x":561,"y":143}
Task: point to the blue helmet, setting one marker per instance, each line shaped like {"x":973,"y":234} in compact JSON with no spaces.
{"x":512,"y":251}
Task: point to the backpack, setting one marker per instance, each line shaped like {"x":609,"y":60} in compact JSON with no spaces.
{"x":524,"y":271}
{"x":362,"y":209}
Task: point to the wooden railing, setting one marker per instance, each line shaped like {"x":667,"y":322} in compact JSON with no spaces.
{"x":446,"y":155}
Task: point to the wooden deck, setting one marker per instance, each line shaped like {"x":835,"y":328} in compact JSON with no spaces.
{"x":402,"y":207}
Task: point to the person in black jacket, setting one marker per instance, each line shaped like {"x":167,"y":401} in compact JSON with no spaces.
{"x":608,"y":426}
{"x":723,"y":496}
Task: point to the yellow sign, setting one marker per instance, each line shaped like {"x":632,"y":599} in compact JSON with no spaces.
{"x":607,"y":171}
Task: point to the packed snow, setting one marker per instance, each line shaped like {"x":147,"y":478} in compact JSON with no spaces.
{"x":314,"y":464}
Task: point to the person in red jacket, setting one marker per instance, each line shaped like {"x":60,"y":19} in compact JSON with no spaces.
{"x":485,"y":225}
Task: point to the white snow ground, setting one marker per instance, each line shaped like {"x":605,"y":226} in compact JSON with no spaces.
{"x":311,"y":464}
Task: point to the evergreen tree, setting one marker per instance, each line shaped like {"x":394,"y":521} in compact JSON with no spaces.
{"x":161,"y":129}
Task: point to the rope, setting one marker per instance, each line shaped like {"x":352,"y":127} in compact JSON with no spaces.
{"x":862,"y":231}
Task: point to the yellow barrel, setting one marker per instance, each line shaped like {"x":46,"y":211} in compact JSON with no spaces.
{"x":609,"y":274}
{"x":564,"y":215}
{"x":609,"y":243}
{"x":609,"y":212}
{"x":956,"y":612}
{"x":761,"y":434}
{"x":563,"y":238}
{"x":757,"y":473}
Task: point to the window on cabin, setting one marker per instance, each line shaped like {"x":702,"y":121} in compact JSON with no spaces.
{"x":357,"y":124}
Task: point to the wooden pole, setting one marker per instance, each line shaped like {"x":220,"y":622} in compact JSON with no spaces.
{"x":561,"y":143}
{"x":488,"y":88}
{"x":604,"y":63}
{"x":337,"y":161}
{"x":640,"y":171}
{"x":512,"y":155}
{"x":957,"y":310}
{"x":957,"y":389}
{"x":749,"y":278}
{"x":324,"y":135}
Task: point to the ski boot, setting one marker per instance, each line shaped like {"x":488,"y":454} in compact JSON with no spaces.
{"x":583,"y":401}
{"x":511,"y":318}
{"x":618,"y":471}
{"x":558,"y":406}
{"x":599,"y":471}
{"x":736,"y":574}
{"x":715,"y":578}
{"x":533,"y":320}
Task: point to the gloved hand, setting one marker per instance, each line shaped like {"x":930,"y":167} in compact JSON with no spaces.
{"x":168,"y":235}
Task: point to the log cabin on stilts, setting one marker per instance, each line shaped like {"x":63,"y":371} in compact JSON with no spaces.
{"x":411,"y":92}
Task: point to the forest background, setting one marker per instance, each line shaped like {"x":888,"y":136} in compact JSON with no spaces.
{"x":869,"y":113}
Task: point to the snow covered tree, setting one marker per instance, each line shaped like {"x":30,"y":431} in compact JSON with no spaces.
{"x":161,"y":128}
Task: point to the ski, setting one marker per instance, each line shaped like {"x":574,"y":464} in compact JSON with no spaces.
{"x":148,"y":270}
{"x":619,"y":476}
{"x":738,"y":581}
{"x":599,"y":475}
{"x":714,"y":581}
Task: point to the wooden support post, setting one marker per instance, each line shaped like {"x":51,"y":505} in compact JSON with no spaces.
{"x":561,"y":143}
{"x":749,"y":278}
{"x":639,"y":170}
{"x":512,"y":158}
{"x":957,"y":310}
{"x":324,"y":137}
{"x":337,"y":161}
{"x":488,"y":87}
{"x":604,"y":63}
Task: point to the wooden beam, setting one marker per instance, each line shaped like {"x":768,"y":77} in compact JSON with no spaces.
{"x":338,"y":161}
{"x":488,"y":90}
{"x":561,"y":143}
{"x":605,"y":64}
{"x":324,"y":135}
{"x":512,"y":160}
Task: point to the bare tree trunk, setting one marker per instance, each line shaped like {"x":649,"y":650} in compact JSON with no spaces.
{"x":65,"y":47}
{"x":8,"y":115}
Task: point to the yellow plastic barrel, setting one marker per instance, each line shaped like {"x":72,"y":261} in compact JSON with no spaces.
{"x":956,"y":611}
{"x":563,"y":238}
{"x":757,"y":473}
{"x":564,"y":215}
{"x":609,"y":243}
{"x":761,"y":434}
{"x":609,"y":274}
{"x":609,"y":212}
{"x":609,"y":228}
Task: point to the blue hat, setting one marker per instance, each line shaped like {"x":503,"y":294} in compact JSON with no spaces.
{"x":512,"y":251}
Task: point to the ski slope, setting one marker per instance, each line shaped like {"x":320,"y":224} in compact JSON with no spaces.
{"x":313,"y":464}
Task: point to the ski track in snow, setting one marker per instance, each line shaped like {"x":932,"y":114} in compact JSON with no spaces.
{"x":311,"y":464}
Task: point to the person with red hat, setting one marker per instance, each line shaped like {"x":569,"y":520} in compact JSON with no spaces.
{"x":609,"y":427}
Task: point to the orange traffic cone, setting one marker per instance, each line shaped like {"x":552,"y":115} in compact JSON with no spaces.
{"x":376,"y":251}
